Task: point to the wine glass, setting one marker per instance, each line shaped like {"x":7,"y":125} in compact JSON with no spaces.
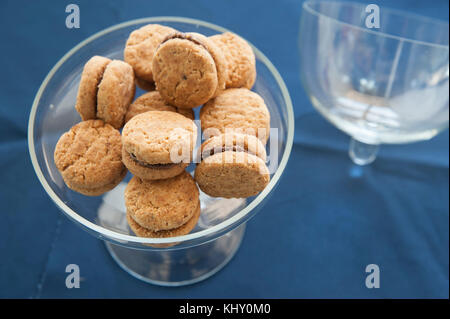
{"x":220,"y":229}
{"x":379,"y":85}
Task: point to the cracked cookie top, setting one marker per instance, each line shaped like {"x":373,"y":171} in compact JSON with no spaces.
{"x":160,"y":137}
{"x":239,"y":110}
{"x":162,"y":204}
{"x":141,"y":46}
{"x":239,"y":58}
{"x":89,"y":157}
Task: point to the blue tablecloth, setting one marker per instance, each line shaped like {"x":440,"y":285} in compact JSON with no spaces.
{"x":315,"y":236}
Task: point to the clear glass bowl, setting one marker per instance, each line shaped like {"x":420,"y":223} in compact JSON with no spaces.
{"x":221,"y":226}
{"x":386,"y":85}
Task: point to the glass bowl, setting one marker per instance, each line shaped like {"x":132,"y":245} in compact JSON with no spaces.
{"x":221,"y":226}
{"x":379,"y":85}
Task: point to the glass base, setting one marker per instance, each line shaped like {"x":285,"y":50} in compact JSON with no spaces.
{"x":362,"y":153}
{"x":178,"y":267}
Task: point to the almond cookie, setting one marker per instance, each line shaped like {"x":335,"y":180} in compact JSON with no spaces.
{"x":89,"y":159}
{"x":239,"y":58}
{"x":152,"y":101}
{"x":238,"y":110}
{"x":180,"y":231}
{"x":188,"y":69}
{"x":93,"y":70}
{"x":162,"y":205}
{"x":235,"y":142}
{"x":233,"y":165}
{"x":115,"y":93}
{"x":158,"y":144}
{"x":106,"y":90}
{"x":140,"y":48}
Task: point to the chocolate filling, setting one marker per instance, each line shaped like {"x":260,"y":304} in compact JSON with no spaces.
{"x":234,"y":148}
{"x":153,"y":166}
{"x":96,"y":89}
{"x":184,"y":36}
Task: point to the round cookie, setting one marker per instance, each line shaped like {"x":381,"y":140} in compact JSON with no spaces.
{"x":158,"y":144}
{"x":188,"y":69}
{"x":233,"y":142}
{"x":240,"y":60}
{"x":239,"y":110}
{"x":89,"y":159}
{"x":140,"y":48}
{"x":232,"y":166}
{"x":164,"y":204}
{"x":93,"y":70}
{"x":115,"y":93}
{"x":180,"y":231}
{"x":152,"y":101}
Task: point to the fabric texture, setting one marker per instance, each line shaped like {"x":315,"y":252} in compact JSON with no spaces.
{"x":313,"y":238}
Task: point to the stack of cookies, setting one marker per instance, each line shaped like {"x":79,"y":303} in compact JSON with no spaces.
{"x":154,"y":136}
{"x":89,"y":155}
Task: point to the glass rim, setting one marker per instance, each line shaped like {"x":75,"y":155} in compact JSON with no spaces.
{"x":217,"y":229}
{"x":307,"y":6}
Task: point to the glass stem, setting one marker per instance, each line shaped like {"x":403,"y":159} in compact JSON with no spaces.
{"x":362,"y":153}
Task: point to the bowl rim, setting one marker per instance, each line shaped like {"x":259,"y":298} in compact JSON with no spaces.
{"x":308,"y":8}
{"x":217,"y":229}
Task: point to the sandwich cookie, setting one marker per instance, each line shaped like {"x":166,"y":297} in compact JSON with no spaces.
{"x":89,"y":157}
{"x":232,"y":166}
{"x":188,"y":69}
{"x":152,"y":101}
{"x":239,"y":58}
{"x":163,"y":206}
{"x":91,"y":77}
{"x":180,"y":231}
{"x":158,"y":144}
{"x":239,"y":110}
{"x":106,"y":90}
{"x":139,"y":50}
